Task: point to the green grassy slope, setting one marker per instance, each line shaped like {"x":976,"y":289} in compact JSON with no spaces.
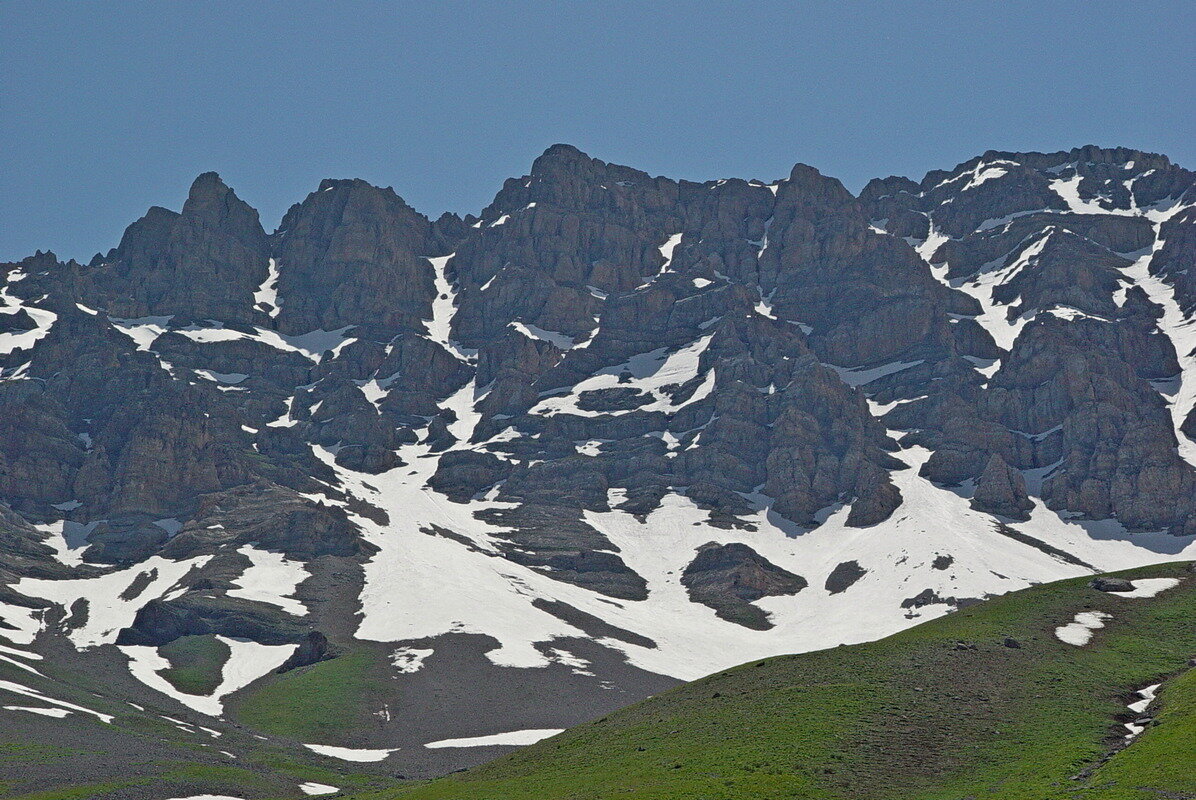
{"x":195,"y":663}
{"x":143,"y":754}
{"x":319,"y":703}
{"x":916,"y":716}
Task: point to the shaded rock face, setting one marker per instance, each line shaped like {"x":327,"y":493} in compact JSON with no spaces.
{"x":868,"y":297}
{"x":1189,"y":426}
{"x":1073,"y":401}
{"x":844,"y":576}
{"x":1173,"y":260}
{"x":272,"y":516}
{"x":462,"y":474}
{"x":1002,"y":490}
{"x":353,"y":254}
{"x":23,"y":551}
{"x":574,"y":222}
{"x":16,"y":321}
{"x":1116,"y":234}
{"x":111,"y":429}
{"x":160,"y":622}
{"x":557,"y":541}
{"x":204,"y":263}
{"x":1068,"y":270}
{"x":600,"y":350}
{"x":728,"y":578}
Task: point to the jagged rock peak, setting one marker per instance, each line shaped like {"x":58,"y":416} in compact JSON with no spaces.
{"x":561,"y":155}
{"x":207,"y":184}
{"x":1002,"y":490}
{"x":210,"y":196}
{"x":566,"y":163}
{"x":341,"y":184}
{"x":815,"y":189}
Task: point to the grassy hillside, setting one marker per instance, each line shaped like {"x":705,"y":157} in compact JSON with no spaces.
{"x":319,"y":703}
{"x":943,"y":711}
{"x":195,"y":663}
{"x":143,"y":753}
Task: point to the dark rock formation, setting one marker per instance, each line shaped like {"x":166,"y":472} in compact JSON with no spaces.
{"x":462,"y":474}
{"x":204,"y":263}
{"x":160,"y":622}
{"x":1105,"y":584}
{"x":1002,"y":490}
{"x":1063,"y":398}
{"x":729,"y":577}
{"x":556,"y":540}
{"x":312,"y":649}
{"x":1172,"y":262}
{"x":271,"y":516}
{"x":844,"y":576}
{"x":354,"y":254}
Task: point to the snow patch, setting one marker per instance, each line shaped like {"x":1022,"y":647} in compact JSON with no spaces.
{"x":271,"y":578}
{"x":1147,"y":696}
{"x":45,"y":712}
{"x":144,"y":331}
{"x":552,"y":337}
{"x":349,"y":753}
{"x":1079,"y":631}
{"x":265,"y":298}
{"x":1148,"y":587}
{"x":512,"y":738}
{"x":649,"y":372}
{"x":16,"y":688}
{"x":854,"y":376}
{"x":409,"y":659}
{"x":107,"y":611}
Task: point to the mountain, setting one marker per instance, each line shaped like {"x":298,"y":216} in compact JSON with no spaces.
{"x":1011,"y":699}
{"x":376,"y":482}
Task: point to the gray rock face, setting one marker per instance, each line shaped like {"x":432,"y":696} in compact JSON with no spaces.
{"x":554,"y":539}
{"x":1085,"y":408}
{"x":1002,"y":490}
{"x":1117,"y":234}
{"x":462,"y":474}
{"x":354,"y":254}
{"x":868,"y":297}
{"x":1068,"y":270}
{"x":1173,"y":260}
{"x":575,"y":249}
{"x":204,"y":263}
{"x":16,"y":321}
{"x":274,"y":517}
{"x":729,"y":577}
{"x":1189,"y":427}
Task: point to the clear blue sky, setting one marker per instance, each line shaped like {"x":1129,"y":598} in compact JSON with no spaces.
{"x":108,"y":108}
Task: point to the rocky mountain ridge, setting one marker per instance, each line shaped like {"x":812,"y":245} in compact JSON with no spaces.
{"x":617,"y":430}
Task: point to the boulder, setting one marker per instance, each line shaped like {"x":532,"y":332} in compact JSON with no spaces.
{"x":1105,"y":584}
